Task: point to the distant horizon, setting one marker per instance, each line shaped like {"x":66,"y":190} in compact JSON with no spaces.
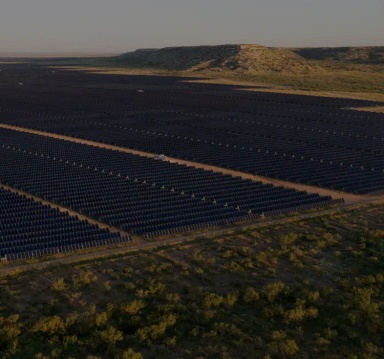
{"x":54,"y":54}
{"x":117,"y":26}
{"x":107,"y":54}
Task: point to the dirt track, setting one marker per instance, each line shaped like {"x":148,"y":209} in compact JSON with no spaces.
{"x":348,"y":198}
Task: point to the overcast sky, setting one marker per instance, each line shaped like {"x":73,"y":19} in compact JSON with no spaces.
{"x":123,"y":25}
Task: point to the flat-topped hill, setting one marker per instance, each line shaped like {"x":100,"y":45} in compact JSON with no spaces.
{"x":217,"y":58}
{"x":361,"y":55}
{"x":249,"y":58}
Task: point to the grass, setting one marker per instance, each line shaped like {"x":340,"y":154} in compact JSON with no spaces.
{"x":310,"y":288}
{"x":345,"y":81}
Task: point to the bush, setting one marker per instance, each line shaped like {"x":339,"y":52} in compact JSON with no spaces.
{"x":131,"y":354}
{"x":272,"y":290}
{"x":251,"y":295}
{"x":9,"y":333}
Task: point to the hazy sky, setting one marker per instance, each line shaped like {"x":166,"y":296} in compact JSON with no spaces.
{"x":124,"y":25}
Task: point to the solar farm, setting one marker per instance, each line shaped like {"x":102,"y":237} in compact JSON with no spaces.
{"x":91,"y":159}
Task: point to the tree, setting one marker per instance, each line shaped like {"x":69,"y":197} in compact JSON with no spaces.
{"x":272,"y":290}
{"x":131,"y":354}
{"x":251,"y":295}
{"x":50,"y":326}
{"x":59,"y":285}
{"x":110,"y":336}
{"x":9,"y":333}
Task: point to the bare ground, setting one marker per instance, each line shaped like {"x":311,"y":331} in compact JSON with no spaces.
{"x":377,"y":109}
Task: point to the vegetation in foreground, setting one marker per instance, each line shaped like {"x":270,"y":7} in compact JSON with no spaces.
{"x":309,"y":289}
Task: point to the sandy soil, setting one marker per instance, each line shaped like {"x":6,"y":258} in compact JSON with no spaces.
{"x":377,"y":109}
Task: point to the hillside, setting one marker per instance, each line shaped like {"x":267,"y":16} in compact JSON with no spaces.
{"x":250,"y":58}
{"x":239,"y":58}
{"x":360,"y":55}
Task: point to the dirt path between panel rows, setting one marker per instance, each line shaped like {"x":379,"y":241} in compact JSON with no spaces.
{"x":348,"y":197}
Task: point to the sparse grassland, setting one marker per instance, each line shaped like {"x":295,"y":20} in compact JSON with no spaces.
{"x":364,"y":82}
{"x":307,"y":289}
{"x":350,"y":81}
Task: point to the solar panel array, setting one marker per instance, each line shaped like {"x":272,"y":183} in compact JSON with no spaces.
{"x":135,"y":193}
{"x":30,"y":229}
{"x":311,"y":140}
